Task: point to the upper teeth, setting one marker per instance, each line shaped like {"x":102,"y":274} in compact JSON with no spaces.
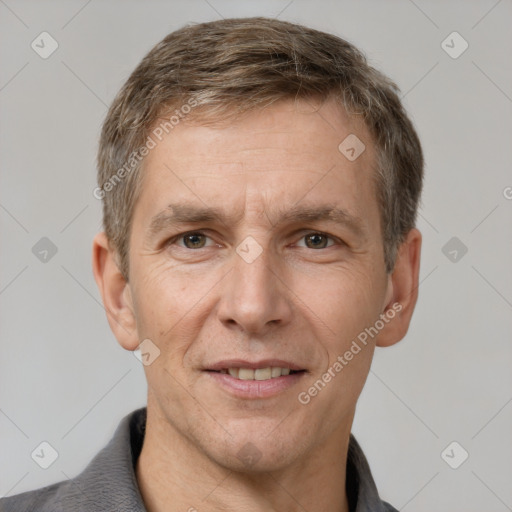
{"x":259,"y":374}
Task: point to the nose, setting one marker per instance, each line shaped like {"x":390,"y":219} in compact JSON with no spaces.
{"x":255,"y":296}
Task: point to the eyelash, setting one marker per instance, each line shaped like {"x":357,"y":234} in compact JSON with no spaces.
{"x":181,"y":236}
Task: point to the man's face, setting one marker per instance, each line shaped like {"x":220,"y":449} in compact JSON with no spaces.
{"x":269,"y":284}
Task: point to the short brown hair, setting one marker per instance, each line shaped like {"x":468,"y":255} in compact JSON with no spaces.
{"x":232,"y":66}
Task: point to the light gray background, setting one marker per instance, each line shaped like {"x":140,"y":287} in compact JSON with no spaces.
{"x":63,"y":377}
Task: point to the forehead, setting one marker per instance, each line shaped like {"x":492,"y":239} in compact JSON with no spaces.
{"x":282,"y":126}
{"x":282,"y":155}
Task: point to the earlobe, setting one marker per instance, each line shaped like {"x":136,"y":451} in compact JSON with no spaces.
{"x":115,"y":293}
{"x":404,"y":290}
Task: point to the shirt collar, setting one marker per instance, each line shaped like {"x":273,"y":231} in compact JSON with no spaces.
{"x":361,"y":490}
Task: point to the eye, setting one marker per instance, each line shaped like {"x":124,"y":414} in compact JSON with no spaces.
{"x":317,"y":240}
{"x":190,"y":240}
{"x":199,"y":240}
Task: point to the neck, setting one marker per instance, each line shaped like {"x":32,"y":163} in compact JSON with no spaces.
{"x":175,"y":475}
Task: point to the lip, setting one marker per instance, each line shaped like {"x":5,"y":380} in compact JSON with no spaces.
{"x":254,"y":389}
{"x":254,"y":365}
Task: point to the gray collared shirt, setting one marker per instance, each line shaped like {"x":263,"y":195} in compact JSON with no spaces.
{"x":108,"y":483}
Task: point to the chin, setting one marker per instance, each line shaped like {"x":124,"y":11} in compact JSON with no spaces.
{"x":256,"y":454}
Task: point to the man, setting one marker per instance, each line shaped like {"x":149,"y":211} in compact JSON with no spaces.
{"x":260,"y":184}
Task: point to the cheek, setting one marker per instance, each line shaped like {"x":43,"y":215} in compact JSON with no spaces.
{"x":162,"y":294}
{"x":351,"y":305}
{"x":156,"y":308}
{"x":347,"y":300}
{"x":171,"y":308}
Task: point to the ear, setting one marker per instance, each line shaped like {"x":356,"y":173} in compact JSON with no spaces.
{"x":115,"y":292}
{"x":402,"y":292}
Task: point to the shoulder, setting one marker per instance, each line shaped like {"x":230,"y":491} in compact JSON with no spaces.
{"x":388,"y":508}
{"x":107,"y":483}
{"x":45,"y":499}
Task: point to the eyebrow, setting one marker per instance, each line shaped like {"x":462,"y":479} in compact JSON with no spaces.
{"x":180,"y":213}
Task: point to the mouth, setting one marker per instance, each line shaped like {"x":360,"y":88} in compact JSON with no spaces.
{"x":267,"y":373}
{"x":250,"y":380}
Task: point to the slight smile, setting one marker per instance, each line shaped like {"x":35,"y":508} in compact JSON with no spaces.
{"x":262,"y":379}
